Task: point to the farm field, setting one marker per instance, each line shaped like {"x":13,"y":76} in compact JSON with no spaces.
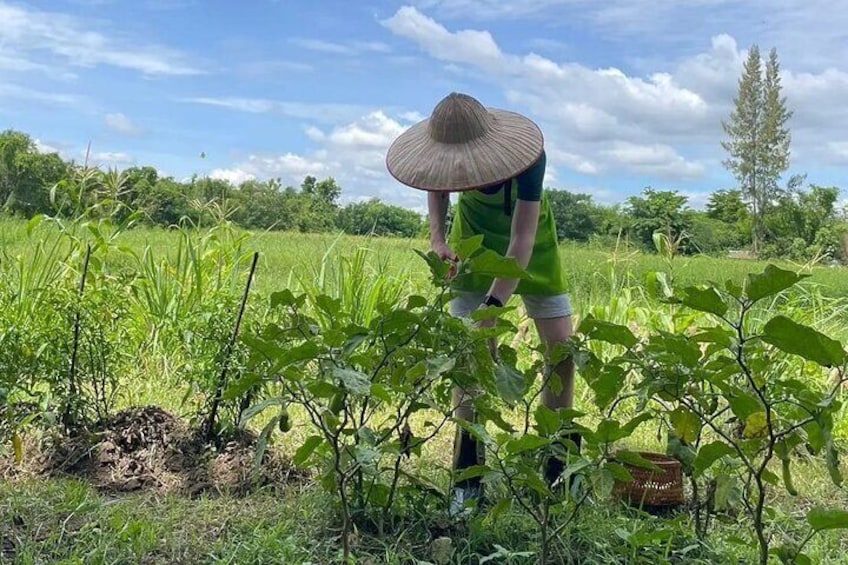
{"x":165,"y":303}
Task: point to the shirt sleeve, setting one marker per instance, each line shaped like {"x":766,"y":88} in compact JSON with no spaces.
{"x":530,"y":182}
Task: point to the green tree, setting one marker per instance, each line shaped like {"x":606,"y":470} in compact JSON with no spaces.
{"x":727,"y":206}
{"x":657,"y":211}
{"x":758,"y":139}
{"x":576,"y":216}
{"x":377,"y":218}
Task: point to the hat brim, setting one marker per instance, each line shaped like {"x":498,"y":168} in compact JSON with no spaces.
{"x":510,"y":147}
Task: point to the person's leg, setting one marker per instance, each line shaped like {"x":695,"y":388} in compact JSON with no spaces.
{"x":467,"y":452}
{"x":552,"y":317}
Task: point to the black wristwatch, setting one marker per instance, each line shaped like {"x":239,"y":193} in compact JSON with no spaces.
{"x":490,"y":300}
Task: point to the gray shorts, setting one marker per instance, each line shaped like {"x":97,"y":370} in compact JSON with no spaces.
{"x":537,"y":306}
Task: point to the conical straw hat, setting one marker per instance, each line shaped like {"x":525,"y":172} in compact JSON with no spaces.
{"x":464,"y":146}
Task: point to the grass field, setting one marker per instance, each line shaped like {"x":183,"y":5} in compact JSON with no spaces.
{"x":67,"y":520}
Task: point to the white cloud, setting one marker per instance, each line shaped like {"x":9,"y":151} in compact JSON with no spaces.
{"x":585,"y":109}
{"x":573,"y":161}
{"x":121,"y":123}
{"x":264,"y":68}
{"x":43,"y":147}
{"x":328,"y":113}
{"x":25,"y":30}
{"x":353,"y":153}
{"x":9,"y":90}
{"x":604,"y":120}
{"x":352,"y":48}
{"x":654,"y":159}
{"x":235,"y":176}
{"x":109,"y":157}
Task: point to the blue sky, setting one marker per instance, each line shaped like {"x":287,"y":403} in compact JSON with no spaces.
{"x":629,"y":93}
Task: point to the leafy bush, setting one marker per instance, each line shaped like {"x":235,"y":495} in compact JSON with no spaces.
{"x":733,"y":405}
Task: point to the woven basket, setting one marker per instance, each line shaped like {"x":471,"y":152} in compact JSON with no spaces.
{"x":649,"y":488}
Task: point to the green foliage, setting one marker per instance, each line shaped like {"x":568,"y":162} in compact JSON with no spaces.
{"x":345,"y":371}
{"x":733,"y":406}
{"x":657,"y":211}
{"x":376,"y":218}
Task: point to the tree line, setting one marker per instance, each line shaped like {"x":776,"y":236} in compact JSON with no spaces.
{"x":759,"y":215}
{"x":801,"y":223}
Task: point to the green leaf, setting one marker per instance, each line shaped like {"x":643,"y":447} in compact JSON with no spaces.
{"x":725,"y":493}
{"x":305,"y":450}
{"x":258,"y":408}
{"x":34,"y":223}
{"x":704,"y":300}
{"x":304,"y":352}
{"x":789,"y":555}
{"x":492,"y":264}
{"x":438,"y":366}
{"x":468,"y":246}
{"x":798,"y":339}
{"x":547,"y":421}
{"x":510,"y":383}
{"x":285,"y":298}
{"x":686,"y":424}
{"x":743,"y":404}
{"x":239,"y":387}
{"x":827,"y":519}
{"x":635,"y":460}
{"x":607,"y":331}
{"x":353,"y":381}
{"x":527,"y":442}
{"x":474,"y":472}
{"x":657,"y":284}
{"x":756,"y":425}
{"x":608,"y":384}
{"x":262,"y":443}
{"x":416,"y":301}
{"x":619,"y":473}
{"x":503,"y":505}
{"x":717,"y":335}
{"x":770,"y":282}
{"x":709,"y":454}
{"x":832,"y":461}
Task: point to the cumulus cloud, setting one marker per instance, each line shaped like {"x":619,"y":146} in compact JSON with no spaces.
{"x":121,"y":123}
{"x":353,"y":153}
{"x":587,"y":108}
{"x":109,"y":158}
{"x":31,"y":31}
{"x":663,"y":123}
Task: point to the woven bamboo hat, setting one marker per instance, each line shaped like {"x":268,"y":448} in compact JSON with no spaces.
{"x":464,"y":146}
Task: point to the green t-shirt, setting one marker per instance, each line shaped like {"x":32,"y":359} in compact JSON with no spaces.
{"x":489,"y":212}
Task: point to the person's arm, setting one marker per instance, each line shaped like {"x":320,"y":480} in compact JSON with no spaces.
{"x":437,"y":207}
{"x":525,"y":222}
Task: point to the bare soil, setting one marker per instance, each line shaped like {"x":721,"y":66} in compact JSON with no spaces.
{"x":147,"y":448}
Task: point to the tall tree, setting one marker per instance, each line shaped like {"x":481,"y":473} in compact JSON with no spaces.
{"x":758,"y":139}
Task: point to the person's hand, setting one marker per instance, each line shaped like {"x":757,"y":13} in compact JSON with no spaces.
{"x":445,"y":253}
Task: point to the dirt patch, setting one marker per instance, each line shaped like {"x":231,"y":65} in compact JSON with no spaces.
{"x":150,"y":449}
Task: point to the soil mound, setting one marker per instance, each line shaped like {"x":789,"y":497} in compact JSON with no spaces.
{"x":147,"y":448}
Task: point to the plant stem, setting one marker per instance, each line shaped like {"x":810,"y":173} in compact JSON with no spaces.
{"x":72,"y":377}
{"x":222,"y":380}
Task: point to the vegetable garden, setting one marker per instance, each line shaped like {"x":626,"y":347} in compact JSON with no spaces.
{"x":188,"y":369}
